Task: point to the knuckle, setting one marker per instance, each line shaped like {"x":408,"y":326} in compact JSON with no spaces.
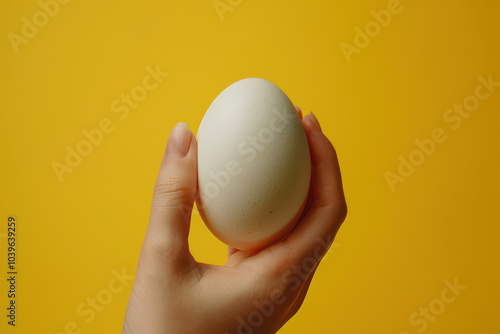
{"x":172,"y":187}
{"x":338,"y":213}
{"x":337,"y":209}
{"x":160,"y":249}
{"x":342,"y":211}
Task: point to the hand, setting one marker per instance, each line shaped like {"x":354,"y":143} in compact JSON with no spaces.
{"x":251,"y":293}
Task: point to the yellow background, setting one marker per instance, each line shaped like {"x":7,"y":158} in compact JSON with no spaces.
{"x":396,"y":248}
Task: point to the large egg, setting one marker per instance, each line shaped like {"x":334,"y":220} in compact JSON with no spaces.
{"x":254,"y":165}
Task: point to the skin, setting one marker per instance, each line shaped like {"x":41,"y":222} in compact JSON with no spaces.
{"x":253,"y":292}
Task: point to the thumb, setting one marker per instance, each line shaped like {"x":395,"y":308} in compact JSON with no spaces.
{"x":166,"y":243}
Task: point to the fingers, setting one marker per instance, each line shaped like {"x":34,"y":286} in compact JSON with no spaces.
{"x":166,"y":242}
{"x":294,"y":260}
{"x":324,"y":212}
{"x":315,"y":232}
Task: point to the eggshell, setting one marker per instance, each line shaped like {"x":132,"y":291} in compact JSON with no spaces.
{"x":254,"y":165}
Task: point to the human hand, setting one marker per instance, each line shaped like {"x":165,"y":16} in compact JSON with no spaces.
{"x":251,"y":293}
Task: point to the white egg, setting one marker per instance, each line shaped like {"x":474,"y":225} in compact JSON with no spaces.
{"x":254,"y":165}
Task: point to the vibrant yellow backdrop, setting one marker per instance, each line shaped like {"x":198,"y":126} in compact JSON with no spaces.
{"x":61,"y":73}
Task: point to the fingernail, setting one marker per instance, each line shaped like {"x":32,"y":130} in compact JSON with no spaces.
{"x":178,"y":141}
{"x":299,"y":111}
{"x":315,"y":122}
